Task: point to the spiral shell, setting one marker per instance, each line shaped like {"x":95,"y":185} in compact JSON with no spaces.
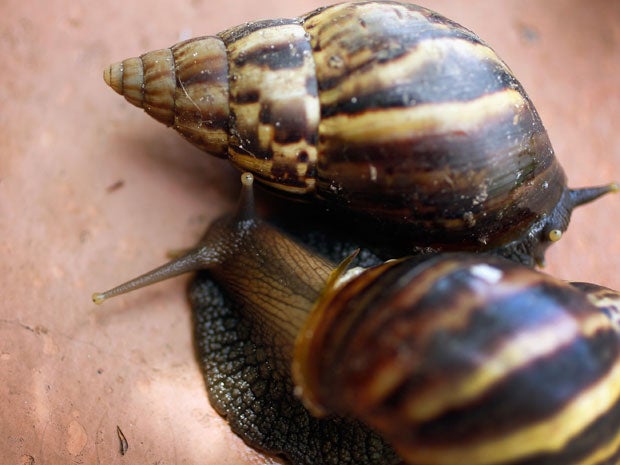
{"x":474,"y":360}
{"x":385,"y":109}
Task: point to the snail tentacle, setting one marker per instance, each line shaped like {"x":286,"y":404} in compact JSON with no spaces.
{"x":208,"y":253}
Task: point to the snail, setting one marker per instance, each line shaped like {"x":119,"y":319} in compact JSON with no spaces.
{"x":385,"y":110}
{"x":457,"y":359}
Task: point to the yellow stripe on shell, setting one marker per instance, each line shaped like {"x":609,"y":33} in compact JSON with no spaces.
{"x":280,"y":83}
{"x":262,"y":169}
{"x":296,"y":190}
{"x":214,"y":141}
{"x":394,"y":124}
{"x":602,"y":454}
{"x":514,"y":354}
{"x":548,"y":436}
{"x":388,"y":376}
{"x":264,"y":39}
{"x":273,"y":87}
{"x":330,"y":22}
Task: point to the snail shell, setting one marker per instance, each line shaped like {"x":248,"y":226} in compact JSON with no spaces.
{"x":385,"y":109}
{"x":458,"y":359}
{"x":475,"y":360}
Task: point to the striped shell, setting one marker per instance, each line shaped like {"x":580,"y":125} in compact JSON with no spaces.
{"x":385,"y":109}
{"x":474,"y":361}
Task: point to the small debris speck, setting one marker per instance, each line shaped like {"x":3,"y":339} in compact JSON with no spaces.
{"x":123,"y":441}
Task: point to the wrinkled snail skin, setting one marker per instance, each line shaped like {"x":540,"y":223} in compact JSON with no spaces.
{"x":248,"y":309}
{"x":473,"y":359}
{"x":268,"y":271}
{"x":385,"y":109}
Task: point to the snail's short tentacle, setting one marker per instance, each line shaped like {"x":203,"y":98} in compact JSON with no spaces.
{"x":588,"y":194}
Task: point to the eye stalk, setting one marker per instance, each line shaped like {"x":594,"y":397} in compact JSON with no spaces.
{"x":554,"y":224}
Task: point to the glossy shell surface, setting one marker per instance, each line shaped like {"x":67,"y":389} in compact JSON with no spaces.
{"x":384,"y":109}
{"x":475,"y":360}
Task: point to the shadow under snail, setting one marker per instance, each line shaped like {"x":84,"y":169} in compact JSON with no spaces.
{"x":385,"y":110}
{"x":457,"y":359}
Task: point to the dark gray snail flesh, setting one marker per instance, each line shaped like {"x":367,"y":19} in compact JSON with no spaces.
{"x":245,"y":362}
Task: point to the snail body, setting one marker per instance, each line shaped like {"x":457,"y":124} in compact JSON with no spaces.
{"x":458,"y":359}
{"x":258,"y":277}
{"x":383,"y":109}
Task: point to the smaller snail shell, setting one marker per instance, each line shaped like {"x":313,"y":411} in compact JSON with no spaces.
{"x":469,"y":360}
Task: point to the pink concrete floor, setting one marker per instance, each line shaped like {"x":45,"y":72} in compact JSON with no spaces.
{"x":92,"y":192}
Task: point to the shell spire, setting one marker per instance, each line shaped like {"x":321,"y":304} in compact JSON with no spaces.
{"x":184,"y":86}
{"x":113,"y":76}
{"x":147,"y":82}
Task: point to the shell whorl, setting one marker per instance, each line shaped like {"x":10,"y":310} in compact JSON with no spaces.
{"x":368,"y":105}
{"x":184,"y":86}
{"x":418,"y":113}
{"x":475,"y":360}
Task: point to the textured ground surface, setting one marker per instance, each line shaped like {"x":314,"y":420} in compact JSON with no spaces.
{"x":92,"y":192}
